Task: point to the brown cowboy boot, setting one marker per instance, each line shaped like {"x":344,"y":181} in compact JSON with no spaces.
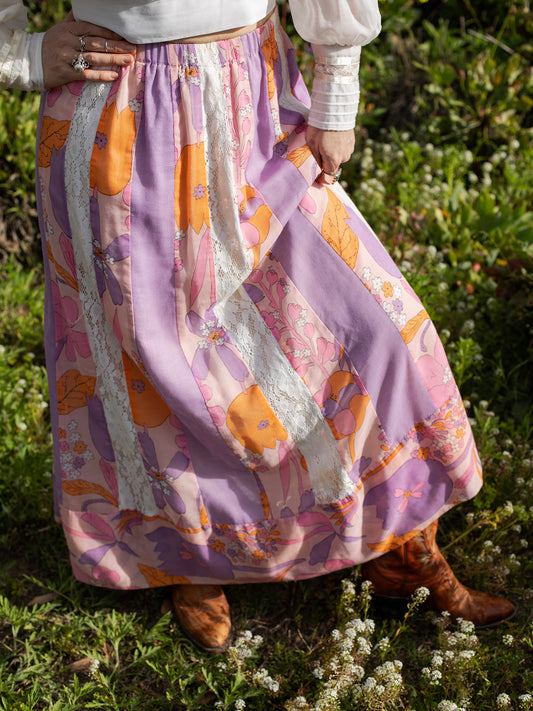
{"x":204,"y":615}
{"x":419,"y":562}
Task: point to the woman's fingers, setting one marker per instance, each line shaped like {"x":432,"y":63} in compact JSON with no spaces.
{"x":331,"y":149}
{"x":80,"y":50}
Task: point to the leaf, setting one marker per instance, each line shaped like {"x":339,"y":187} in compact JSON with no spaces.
{"x":72,"y":391}
{"x":299,"y":155}
{"x":156,"y":577}
{"x":410,"y":329}
{"x":53,"y":135}
{"x":336,"y":231}
{"x":60,"y":270}
{"x":81,"y":488}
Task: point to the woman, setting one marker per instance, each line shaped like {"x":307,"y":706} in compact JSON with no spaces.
{"x":243,"y":386}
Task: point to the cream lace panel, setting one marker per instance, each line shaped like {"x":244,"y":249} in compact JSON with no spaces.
{"x":232,"y":262}
{"x":134,"y":490}
{"x":286,"y":393}
{"x":288,"y":396}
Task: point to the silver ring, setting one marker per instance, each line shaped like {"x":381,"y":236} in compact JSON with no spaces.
{"x":83,"y":46}
{"x":106,"y":48}
{"x":80,"y":63}
{"x":335,"y":176}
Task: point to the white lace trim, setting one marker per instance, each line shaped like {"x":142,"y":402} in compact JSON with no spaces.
{"x":134,"y":490}
{"x":285,"y":391}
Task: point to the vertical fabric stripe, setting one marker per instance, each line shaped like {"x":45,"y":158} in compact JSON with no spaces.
{"x":134,"y":493}
{"x":226,"y":484}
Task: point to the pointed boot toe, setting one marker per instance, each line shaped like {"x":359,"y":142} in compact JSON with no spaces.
{"x":204,"y":616}
{"x":419,"y":562}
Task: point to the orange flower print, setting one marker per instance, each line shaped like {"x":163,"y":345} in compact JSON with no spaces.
{"x":423,"y":453}
{"x":252,"y":421}
{"x":387,"y":289}
{"x":217,"y":546}
{"x":80,"y":447}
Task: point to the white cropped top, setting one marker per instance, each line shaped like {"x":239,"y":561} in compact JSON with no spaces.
{"x":335,"y":28}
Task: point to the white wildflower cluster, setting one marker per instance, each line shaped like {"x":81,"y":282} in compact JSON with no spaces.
{"x":343,"y":673}
{"x":503,"y":701}
{"x":446,"y":705}
{"x":94,"y":665}
{"x":421,"y":594}
{"x":262,"y":678}
{"x":525,"y":702}
{"x":244,"y":647}
{"x":454,"y":659}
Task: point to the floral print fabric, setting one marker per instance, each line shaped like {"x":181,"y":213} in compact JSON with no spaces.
{"x":268,"y":348}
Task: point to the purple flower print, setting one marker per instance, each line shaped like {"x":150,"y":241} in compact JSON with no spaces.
{"x":199,"y":191}
{"x":105,"y":258}
{"x":67,"y":317}
{"x":102,"y":532}
{"x":138,"y":385}
{"x":100,"y":140}
{"x":422,"y":486}
{"x":213,"y":336}
{"x":163,"y":482}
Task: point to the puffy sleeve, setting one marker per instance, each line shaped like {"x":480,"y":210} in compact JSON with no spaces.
{"x":20,"y":52}
{"x":336,"y":30}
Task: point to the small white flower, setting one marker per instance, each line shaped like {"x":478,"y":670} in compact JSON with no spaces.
{"x":503,"y":701}
{"x":421,"y":594}
{"x":508,"y":640}
{"x":525,"y":701}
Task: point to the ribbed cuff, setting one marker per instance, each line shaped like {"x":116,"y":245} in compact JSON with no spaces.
{"x":335,"y":94}
{"x":36,"y":61}
{"x":21,"y":64}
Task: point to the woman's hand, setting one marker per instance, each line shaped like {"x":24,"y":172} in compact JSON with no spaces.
{"x":101,"y":48}
{"x":330,"y":149}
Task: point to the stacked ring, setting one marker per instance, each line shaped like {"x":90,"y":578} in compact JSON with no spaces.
{"x":79,"y":63}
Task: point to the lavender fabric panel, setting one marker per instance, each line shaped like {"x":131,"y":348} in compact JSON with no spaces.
{"x":49,"y":317}
{"x":371,"y":340}
{"x":232,"y":495}
{"x":269,"y":171}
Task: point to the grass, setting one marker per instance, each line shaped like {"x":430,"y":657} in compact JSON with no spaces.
{"x":444,"y":171}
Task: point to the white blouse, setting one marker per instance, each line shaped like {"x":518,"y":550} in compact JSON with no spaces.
{"x":335,"y":28}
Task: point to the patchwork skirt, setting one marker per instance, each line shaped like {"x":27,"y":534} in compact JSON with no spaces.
{"x":243,"y":386}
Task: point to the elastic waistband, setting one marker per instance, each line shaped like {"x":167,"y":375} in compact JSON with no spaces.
{"x":229,"y":34}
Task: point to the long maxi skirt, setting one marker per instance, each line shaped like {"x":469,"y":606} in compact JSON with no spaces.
{"x":243,"y":386}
